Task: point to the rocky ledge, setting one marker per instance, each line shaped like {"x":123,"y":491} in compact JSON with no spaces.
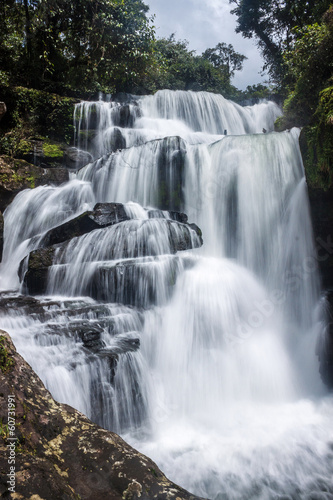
{"x":59,"y":453}
{"x":17,"y":175}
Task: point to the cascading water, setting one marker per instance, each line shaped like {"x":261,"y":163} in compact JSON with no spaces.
{"x":202,"y":359}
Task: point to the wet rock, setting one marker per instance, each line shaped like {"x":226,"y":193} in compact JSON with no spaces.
{"x":117,"y":140}
{"x":124,"y":116}
{"x":61,"y":454}
{"x":177,"y":216}
{"x":172,"y":153}
{"x":107,"y":214}
{"x":75,"y":158}
{"x":88,"y":333}
{"x":180,"y":237}
{"x":1,"y":235}
{"x":39,"y":262}
{"x":138,"y":282}
{"x":103,"y":215}
{"x":122,"y":345}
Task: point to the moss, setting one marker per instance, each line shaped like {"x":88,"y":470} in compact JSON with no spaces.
{"x":4,"y":431}
{"x":6,"y":361}
{"x":52,"y":150}
{"x":31,"y":179}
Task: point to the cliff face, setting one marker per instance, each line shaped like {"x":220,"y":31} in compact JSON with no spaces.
{"x":51,"y":451}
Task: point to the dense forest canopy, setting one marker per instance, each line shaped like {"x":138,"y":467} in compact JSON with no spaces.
{"x":273,"y":23}
{"x":106,"y":45}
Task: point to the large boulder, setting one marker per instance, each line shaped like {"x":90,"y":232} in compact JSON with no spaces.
{"x":59,"y":453}
{"x":103,"y":215}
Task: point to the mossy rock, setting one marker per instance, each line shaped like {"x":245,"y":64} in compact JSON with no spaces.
{"x":6,"y":361}
{"x":60,"y":453}
{"x":17,"y":174}
{"x":53,"y":151}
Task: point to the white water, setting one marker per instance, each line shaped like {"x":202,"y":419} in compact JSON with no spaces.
{"x":224,"y":391}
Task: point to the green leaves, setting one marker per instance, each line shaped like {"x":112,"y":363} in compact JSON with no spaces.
{"x":225,"y":58}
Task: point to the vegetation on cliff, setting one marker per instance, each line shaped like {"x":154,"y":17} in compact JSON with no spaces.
{"x":309,"y":82}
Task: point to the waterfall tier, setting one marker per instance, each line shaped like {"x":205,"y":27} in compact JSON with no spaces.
{"x":198,"y":348}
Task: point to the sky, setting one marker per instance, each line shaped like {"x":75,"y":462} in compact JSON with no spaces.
{"x":205,"y":23}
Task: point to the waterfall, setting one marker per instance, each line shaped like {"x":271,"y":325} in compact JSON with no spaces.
{"x":202,"y":357}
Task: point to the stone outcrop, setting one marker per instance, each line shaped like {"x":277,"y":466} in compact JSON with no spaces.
{"x":16,"y":175}
{"x":103,"y":215}
{"x":76,"y":158}
{"x":61,"y":454}
{"x":35,"y":279}
{"x":181,"y":236}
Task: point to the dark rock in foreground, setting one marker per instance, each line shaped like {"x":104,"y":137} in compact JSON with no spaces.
{"x":103,"y":215}
{"x":59,"y":453}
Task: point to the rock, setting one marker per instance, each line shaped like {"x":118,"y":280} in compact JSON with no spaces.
{"x":1,"y":235}
{"x":88,"y":333}
{"x":107,"y":214}
{"x":126,"y":276}
{"x":61,"y":454}
{"x":117,"y":140}
{"x":39,"y":262}
{"x":124,"y":116}
{"x":158,"y":214}
{"x":103,"y":215}
{"x":136,"y":282}
{"x":76,"y":158}
{"x":321,"y":203}
{"x":3,"y":109}
{"x":16,"y":175}
{"x":172,"y":153}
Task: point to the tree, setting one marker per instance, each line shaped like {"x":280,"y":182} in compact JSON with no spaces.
{"x":88,"y":44}
{"x":224,"y":58}
{"x":271,"y":23}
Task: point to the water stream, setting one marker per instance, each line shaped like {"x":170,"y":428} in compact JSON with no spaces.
{"x":202,"y":359}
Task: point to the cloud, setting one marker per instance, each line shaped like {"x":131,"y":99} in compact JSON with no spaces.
{"x":205,"y":23}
